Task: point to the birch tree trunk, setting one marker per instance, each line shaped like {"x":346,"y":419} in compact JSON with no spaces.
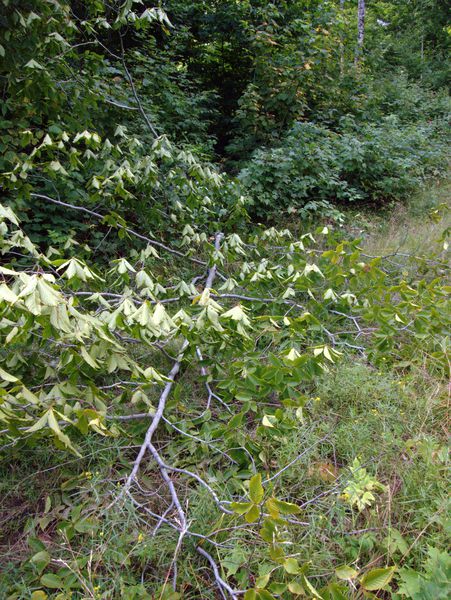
{"x":342,"y":48}
{"x":360,"y":30}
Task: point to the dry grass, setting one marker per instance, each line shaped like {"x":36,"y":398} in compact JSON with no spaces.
{"x":410,"y":229}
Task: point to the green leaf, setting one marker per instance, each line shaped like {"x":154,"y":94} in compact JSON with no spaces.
{"x":88,"y":358}
{"x":264,"y":595}
{"x":52,"y":581}
{"x":54,"y":426}
{"x":272,"y":508}
{"x":40,"y":424}
{"x":263,"y":580}
{"x":252,"y":514}
{"x":396,"y":542}
{"x":86,"y":526}
{"x":377,"y":578}
{"x":47,"y":294}
{"x":266,"y":421}
{"x":291,"y":566}
{"x":38,"y":595}
{"x":250,"y":595}
{"x":336,"y":591}
{"x":314,"y":593}
{"x":236,"y":314}
{"x":345,"y":572}
{"x":287,"y":508}
{"x":232,"y":562}
{"x":33,"y":64}
{"x":40,"y":560}
{"x":292,"y":355}
{"x":7,"y":376}
{"x":6,"y":294}
{"x":256,"y":491}
{"x":276,"y":553}
{"x":241,"y":507}
{"x":295,"y":587}
{"x":29,"y":396}
{"x":409,"y":583}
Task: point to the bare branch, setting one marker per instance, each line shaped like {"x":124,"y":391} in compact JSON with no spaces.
{"x":158,"y":414}
{"x":151,"y":128}
{"x":120,"y":226}
{"x":223,"y":585}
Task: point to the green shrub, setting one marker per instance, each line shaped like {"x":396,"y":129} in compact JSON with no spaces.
{"x":361,"y":162}
{"x":408,"y":100}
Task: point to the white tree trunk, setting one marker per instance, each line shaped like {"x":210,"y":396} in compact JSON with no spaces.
{"x":342,"y":49}
{"x":360,"y":30}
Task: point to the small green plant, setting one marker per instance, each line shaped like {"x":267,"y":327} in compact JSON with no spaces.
{"x":360,"y":488}
{"x":433,"y":581}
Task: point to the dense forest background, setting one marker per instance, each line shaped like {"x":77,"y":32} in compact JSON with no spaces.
{"x":224,"y":319}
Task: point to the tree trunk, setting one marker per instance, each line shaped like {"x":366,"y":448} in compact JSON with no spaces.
{"x":360,"y":30}
{"x":342,"y":48}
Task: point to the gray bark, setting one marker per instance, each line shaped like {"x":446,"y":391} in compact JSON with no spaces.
{"x":342,"y":50}
{"x":360,"y":30}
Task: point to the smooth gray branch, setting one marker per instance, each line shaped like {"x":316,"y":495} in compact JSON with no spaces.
{"x":92,"y":213}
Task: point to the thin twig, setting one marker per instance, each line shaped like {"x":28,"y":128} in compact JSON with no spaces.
{"x":120,"y":226}
{"x":223,"y":585}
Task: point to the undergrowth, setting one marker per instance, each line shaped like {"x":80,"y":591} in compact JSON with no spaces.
{"x":367,"y":463}
{"x":391,"y":422}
